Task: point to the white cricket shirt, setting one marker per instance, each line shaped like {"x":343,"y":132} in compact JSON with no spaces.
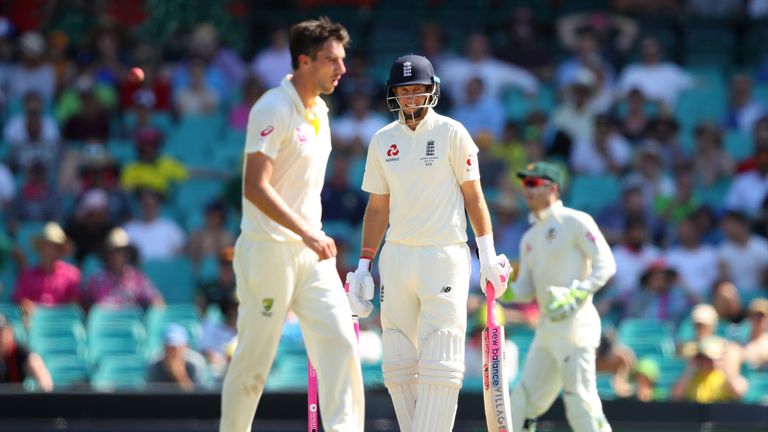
{"x":299,"y":145}
{"x":422,"y":170}
{"x":561,"y":246}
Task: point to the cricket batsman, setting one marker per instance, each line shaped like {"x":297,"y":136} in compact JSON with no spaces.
{"x":283,"y":260}
{"x":564,"y":260}
{"x":422,"y":174}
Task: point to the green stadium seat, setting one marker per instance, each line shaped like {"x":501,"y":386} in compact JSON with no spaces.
{"x":593,"y":193}
{"x":518,"y":105}
{"x":51,"y":338}
{"x":24,"y":236}
{"x":91,"y":264}
{"x":195,"y":136}
{"x":372,"y":375}
{"x":638,"y":327}
{"x":7,"y":283}
{"x":67,"y":371}
{"x":605,"y":386}
{"x":100,"y":315}
{"x":738,"y":145}
{"x":117,"y":338}
{"x":120,"y":373}
{"x":157,"y":319}
{"x":173,"y":277}
{"x":56,"y":314}
{"x":194,"y":194}
{"x":11,"y":311}
{"x":288,"y":373}
{"x":647,"y":337}
{"x":758,"y":387}
{"x":670,"y":370}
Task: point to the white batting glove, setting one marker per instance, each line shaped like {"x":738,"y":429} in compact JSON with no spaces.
{"x":361,"y":289}
{"x":566,"y":301}
{"x":493,"y":268}
{"x":498,"y":274}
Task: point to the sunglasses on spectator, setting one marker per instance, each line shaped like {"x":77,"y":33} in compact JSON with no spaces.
{"x":534,"y":182}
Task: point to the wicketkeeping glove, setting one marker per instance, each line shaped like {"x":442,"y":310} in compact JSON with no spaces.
{"x":361,"y":289}
{"x":566,"y":301}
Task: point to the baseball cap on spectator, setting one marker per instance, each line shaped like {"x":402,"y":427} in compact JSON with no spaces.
{"x":144,"y":98}
{"x":4,"y":322}
{"x":148,"y":136}
{"x":32,"y":44}
{"x":117,"y":239}
{"x":649,"y":368}
{"x":758,"y":306}
{"x":94,"y":199}
{"x":176,"y":335}
{"x":545,"y":170}
{"x":51,"y":233}
{"x":657,"y":266}
{"x":584,"y":78}
{"x":704,"y":314}
{"x":711,"y":347}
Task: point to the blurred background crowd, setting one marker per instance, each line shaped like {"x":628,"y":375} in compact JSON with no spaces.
{"x":120,"y":197}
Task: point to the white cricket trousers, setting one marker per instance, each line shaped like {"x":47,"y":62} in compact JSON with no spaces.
{"x":424,"y":289}
{"x":273,"y":277}
{"x":548,"y":371}
{"x":424,"y":318}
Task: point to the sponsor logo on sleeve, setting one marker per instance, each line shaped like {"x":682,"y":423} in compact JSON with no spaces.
{"x":267,"y":130}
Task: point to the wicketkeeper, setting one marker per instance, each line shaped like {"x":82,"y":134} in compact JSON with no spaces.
{"x":422,"y":174}
{"x":564,"y":260}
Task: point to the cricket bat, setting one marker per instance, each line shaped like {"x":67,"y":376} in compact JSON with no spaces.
{"x":498,"y":411}
{"x":312,"y":407}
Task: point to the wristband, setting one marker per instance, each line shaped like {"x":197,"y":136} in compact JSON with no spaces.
{"x":367,"y":253}
{"x":364,"y":264}
{"x":486,"y":250}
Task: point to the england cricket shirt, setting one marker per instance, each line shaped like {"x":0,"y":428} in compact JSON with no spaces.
{"x":422,"y":171}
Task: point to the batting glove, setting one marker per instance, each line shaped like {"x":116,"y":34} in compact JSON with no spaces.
{"x":361,"y":289}
{"x":498,"y":274}
{"x":566,"y":301}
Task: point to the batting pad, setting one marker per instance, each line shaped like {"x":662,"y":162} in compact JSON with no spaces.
{"x":400,"y":370}
{"x":441,"y":372}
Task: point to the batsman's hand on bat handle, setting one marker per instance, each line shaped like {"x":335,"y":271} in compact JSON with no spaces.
{"x":566,"y":300}
{"x":361,"y":289}
{"x":495,"y":269}
{"x":320,"y":243}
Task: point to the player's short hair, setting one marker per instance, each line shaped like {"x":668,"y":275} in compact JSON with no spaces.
{"x":308,"y":37}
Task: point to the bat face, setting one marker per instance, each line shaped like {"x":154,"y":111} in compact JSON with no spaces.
{"x":495,"y":388}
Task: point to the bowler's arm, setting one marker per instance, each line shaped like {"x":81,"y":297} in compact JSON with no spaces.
{"x":259,"y":191}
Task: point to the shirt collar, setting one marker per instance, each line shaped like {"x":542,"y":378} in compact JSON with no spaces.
{"x":293,"y":95}
{"x":422,"y":124}
{"x":546,"y":213}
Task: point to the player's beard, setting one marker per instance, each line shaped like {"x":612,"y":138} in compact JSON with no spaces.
{"x":415,"y":116}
